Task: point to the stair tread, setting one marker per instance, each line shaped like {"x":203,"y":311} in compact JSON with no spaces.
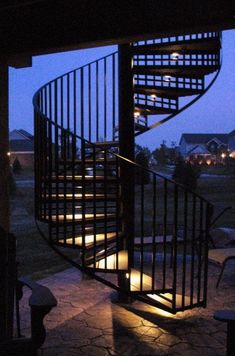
{"x":187,"y":46}
{"x":176,"y":70}
{"x":165,"y":91}
{"x":135,"y":281}
{"x":80,"y":177}
{"x":89,"y":239}
{"x":116,"y":261}
{"x":151,"y":110}
{"x":77,"y":196}
{"x":79,"y":217}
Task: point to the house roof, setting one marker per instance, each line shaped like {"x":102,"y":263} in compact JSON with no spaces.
{"x":21,"y":146}
{"x":203,"y":138}
{"x":20,"y":135}
{"x":199,"y":150}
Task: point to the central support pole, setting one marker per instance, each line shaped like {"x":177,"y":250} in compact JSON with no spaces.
{"x":127,"y":149}
{"x":6,"y":282}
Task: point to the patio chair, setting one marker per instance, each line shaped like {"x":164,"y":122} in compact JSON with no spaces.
{"x":40,"y":302}
{"x":220,"y":256}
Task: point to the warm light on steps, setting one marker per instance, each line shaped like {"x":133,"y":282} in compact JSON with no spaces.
{"x":80,"y":177}
{"x":135,"y":281}
{"x":89,"y":240}
{"x":167,"y":299}
{"x":117,"y":261}
{"x":87,"y":196}
{"x":79,"y":217}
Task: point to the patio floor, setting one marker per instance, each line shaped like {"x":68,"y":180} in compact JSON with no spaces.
{"x":88,"y":321}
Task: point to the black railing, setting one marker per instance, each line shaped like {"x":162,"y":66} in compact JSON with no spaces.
{"x":80,"y":197}
{"x":78,"y":191}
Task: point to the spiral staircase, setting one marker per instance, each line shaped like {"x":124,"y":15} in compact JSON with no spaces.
{"x":134,"y":230}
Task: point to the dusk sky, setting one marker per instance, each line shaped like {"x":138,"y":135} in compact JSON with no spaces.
{"x":213,"y":113}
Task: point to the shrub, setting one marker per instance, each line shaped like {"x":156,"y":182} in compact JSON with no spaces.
{"x":142,"y":176}
{"x":16,"y":167}
{"x":12,"y":183}
{"x":186,"y":174}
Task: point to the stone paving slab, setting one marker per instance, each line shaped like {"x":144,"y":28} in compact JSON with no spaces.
{"x":89,"y":322}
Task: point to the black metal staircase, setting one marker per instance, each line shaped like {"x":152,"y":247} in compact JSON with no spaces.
{"x":80,"y":173}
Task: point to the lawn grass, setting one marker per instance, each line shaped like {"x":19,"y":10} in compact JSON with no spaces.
{"x":37,"y":259}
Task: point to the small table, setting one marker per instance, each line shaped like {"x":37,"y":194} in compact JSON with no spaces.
{"x":228,"y":316}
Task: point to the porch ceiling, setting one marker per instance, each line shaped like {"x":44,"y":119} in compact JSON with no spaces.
{"x":43,"y":26}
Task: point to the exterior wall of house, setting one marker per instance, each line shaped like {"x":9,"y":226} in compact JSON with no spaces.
{"x":26,"y":159}
{"x":185,"y":147}
{"x":231,"y":142}
{"x":15,"y":135}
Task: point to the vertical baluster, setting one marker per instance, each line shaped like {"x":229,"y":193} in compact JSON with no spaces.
{"x":68,"y":110}
{"x":61,"y":102}
{"x":185,"y":242}
{"x":165,"y":210}
{"x":142,"y":229}
{"x":105,"y":99}
{"x":83,"y":195}
{"x":94,"y":201}
{"x":113,"y":96}
{"x":118,"y":209}
{"x":89,"y":103}
{"x":105,"y":207}
{"x":209,"y":214}
{"x":56,"y":160}
{"x":97,"y":101}
{"x":193,"y":250}
{"x":154,"y":233}
{"x":175,"y":246}
{"x":200,"y":237}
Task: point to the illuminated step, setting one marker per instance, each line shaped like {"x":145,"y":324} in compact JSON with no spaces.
{"x":167,"y":299}
{"x":80,"y":217}
{"x":116,"y":261}
{"x":77,"y":196}
{"x":81,"y":177}
{"x":192,"y":71}
{"x":135,"y":281}
{"x":89,"y":240}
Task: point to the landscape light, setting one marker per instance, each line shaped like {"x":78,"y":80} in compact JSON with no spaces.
{"x":136,"y":114}
{"x":175,"y":56}
{"x":167,"y":78}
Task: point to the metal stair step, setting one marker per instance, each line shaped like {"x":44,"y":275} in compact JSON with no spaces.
{"x":165,"y":91}
{"x":204,"y":46}
{"x":185,"y":71}
{"x":89,"y":240}
{"x":151,"y":110}
{"x":87,"y":178}
{"x":78,"y":197}
{"x":140,"y":282}
{"x":117,"y":261}
{"x":73,"y":218}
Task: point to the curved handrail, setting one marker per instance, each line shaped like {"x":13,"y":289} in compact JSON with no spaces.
{"x":67,"y":73}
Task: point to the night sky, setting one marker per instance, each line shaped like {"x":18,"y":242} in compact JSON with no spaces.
{"x":214,"y":112}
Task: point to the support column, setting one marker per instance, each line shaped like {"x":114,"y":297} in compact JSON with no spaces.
{"x":126,"y":149}
{"x":4,"y":148}
{"x":6,"y":284}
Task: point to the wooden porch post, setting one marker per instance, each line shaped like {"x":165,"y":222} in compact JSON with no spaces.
{"x":126,"y":149}
{"x":6,"y":302}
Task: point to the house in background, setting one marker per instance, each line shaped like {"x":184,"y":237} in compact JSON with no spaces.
{"x":22,"y":147}
{"x":207,"y":148}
